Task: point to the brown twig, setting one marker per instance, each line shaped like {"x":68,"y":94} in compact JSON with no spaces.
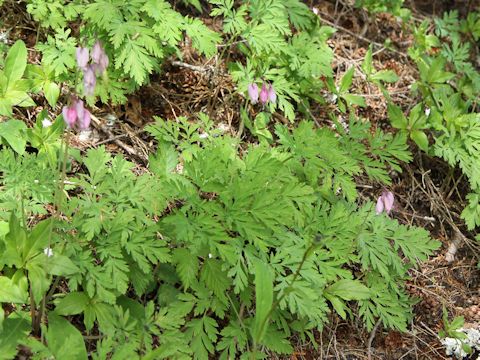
{"x":127,"y":148}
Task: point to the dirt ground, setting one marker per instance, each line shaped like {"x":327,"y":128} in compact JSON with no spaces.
{"x":428,"y":193}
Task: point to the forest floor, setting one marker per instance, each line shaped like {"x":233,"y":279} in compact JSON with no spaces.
{"x":428,"y":193}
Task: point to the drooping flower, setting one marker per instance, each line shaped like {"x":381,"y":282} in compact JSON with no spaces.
{"x":76,"y":116}
{"x":97,"y":51}
{"x":272,"y":95}
{"x":89,"y":81}
{"x":253,"y":93}
{"x":82,"y":57}
{"x":99,"y":58}
{"x":84,"y":121}
{"x":264,"y":94}
{"x":79,"y":108}
{"x":385,"y":202}
{"x":69,"y":115}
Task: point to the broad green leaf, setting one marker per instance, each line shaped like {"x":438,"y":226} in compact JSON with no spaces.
{"x":263,"y":298}
{"x":65,"y":340}
{"x":19,"y":98}
{"x":397,"y":118}
{"x":16,"y":62}
{"x":2,"y":318}
{"x":349,"y":290}
{"x":5,"y":107}
{"x":10,"y":292}
{"x":3,"y":228}
{"x":61,"y":265}
{"x":355,"y":100}
{"x":367,"y":64}
{"x":16,"y":328}
{"x":346,"y":80}
{"x":457,"y":322}
{"x":420,"y":139}
{"x":39,"y":282}
{"x":39,"y":238}
{"x":51,"y":91}
{"x":385,"y":75}
{"x":72,"y":304}
{"x":15,"y":241}
{"x":13,"y":131}
{"x":337,"y":304}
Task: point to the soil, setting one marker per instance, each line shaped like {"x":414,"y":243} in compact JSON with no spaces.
{"x":427,"y":191}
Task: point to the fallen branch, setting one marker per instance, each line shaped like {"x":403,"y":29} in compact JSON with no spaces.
{"x":127,"y":148}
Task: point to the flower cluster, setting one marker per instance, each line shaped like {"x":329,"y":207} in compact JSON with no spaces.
{"x":76,"y":116}
{"x":266,"y":93}
{"x":97,"y":66}
{"x":385,"y":202}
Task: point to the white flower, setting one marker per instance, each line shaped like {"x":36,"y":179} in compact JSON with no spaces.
{"x":427,"y":111}
{"x":46,"y":123}
{"x":48,"y":251}
{"x":203,"y":136}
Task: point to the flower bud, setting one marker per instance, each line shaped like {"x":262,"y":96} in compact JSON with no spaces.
{"x":89,"y":81}
{"x":78,"y":106}
{"x":264,"y":94}
{"x":48,"y":251}
{"x":385,"y":202}
{"x":100,"y":58}
{"x":84,"y":121}
{"x":272,"y":96}
{"x":69,"y":115}
{"x":97,"y":52}
{"x":82,"y":55}
{"x":46,"y":123}
{"x":253,"y":93}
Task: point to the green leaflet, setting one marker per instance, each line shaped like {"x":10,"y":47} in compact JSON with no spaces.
{"x":263,"y":299}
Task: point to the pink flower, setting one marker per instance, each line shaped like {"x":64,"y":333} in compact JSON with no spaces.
{"x":82,"y":57}
{"x":272,"y":96}
{"x":69,"y":115}
{"x":253,"y":93}
{"x":99,"y":57}
{"x":84,"y":121}
{"x":264,"y":94}
{"x":97,"y":52}
{"x":385,"y":202}
{"x":89,"y":81}
{"x":76,"y":116}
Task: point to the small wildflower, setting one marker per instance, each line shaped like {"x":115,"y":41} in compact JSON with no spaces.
{"x":385,"y":202}
{"x":48,"y":251}
{"x":76,"y":116}
{"x":69,"y":115}
{"x":97,"y":52}
{"x":99,"y":58}
{"x":272,"y":95}
{"x":264,"y":94}
{"x":203,"y":136}
{"x":89,"y":81}
{"x":82,"y":57}
{"x":315,"y":10}
{"x":427,"y":112}
{"x":253,"y":93}
{"x":84,"y":121}
{"x":46,"y":123}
